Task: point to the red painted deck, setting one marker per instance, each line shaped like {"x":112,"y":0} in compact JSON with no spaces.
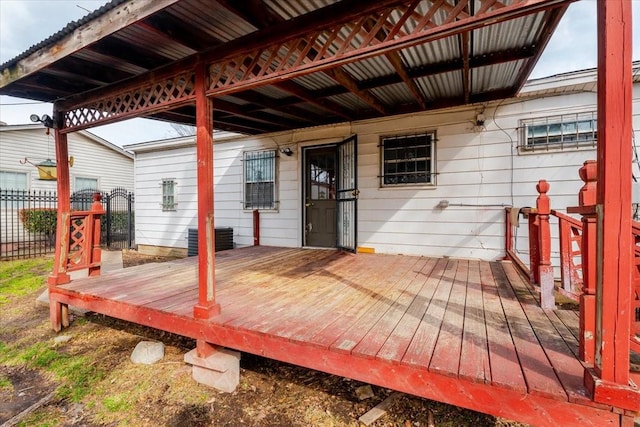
{"x":469,"y":333}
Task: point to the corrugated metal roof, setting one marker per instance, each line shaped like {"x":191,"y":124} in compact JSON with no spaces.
{"x":68,"y":29}
{"x":190,"y":26}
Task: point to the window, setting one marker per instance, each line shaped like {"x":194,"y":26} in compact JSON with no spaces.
{"x":559,"y":132}
{"x":13,"y":180}
{"x":168,"y":194}
{"x":408,"y":159}
{"x":259,"y":179}
{"x":86,"y":184}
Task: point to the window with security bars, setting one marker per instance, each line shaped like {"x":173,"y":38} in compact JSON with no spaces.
{"x":259,"y":179}
{"x":168,"y":194}
{"x":408,"y":159}
{"x":559,"y":132}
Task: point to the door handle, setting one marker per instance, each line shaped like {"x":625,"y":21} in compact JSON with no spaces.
{"x":309,"y":227}
{"x":309,"y":204}
{"x":355,"y":193}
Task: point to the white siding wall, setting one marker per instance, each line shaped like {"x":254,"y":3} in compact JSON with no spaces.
{"x":91,"y":158}
{"x":478,"y":173}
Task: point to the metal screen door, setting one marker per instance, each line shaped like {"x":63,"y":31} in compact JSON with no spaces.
{"x":347,"y":194}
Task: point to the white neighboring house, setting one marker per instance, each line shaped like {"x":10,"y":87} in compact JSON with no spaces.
{"x":434,"y":183}
{"x":97,"y":165}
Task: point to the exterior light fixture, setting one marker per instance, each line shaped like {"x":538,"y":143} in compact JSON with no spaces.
{"x":46,"y":120}
{"x":287,"y":151}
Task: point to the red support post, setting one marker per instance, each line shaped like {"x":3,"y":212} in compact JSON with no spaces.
{"x":59,"y":274}
{"x":58,"y":313}
{"x":609,"y":380}
{"x":545,"y":269}
{"x":508,"y":233}
{"x":206,"y":306}
{"x":256,"y":227}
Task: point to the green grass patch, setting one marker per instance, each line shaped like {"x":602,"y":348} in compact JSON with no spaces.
{"x":21,"y":277}
{"x":117,"y":403}
{"x":5,"y":383}
{"x":77,"y":374}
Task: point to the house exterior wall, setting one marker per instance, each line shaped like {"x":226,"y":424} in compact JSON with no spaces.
{"x":93,"y":158}
{"x":480,"y":171}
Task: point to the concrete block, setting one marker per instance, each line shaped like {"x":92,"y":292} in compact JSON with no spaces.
{"x":221,"y":370}
{"x":148,"y":352}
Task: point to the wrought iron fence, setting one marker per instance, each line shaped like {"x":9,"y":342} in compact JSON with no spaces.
{"x":28,"y":220}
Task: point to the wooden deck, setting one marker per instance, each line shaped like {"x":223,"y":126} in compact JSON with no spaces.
{"x":469,"y":333}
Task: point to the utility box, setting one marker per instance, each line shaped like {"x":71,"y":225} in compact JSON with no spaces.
{"x":224,"y":240}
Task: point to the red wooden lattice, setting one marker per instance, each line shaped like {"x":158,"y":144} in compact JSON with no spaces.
{"x":401,"y":25}
{"x":152,"y":97}
{"x":77,"y":242}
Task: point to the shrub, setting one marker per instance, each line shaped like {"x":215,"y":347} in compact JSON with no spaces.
{"x":41,"y":220}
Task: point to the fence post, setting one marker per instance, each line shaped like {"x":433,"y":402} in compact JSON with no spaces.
{"x":586,"y":207}
{"x":108,"y":218}
{"x":129,"y":220}
{"x":545,"y":269}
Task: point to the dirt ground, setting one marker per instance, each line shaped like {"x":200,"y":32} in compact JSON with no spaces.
{"x":115,"y":392}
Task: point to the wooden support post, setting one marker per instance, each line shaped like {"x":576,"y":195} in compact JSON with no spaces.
{"x":545,"y":269}
{"x":206,"y":306}
{"x":58,"y":313}
{"x":609,"y":380}
{"x":256,"y":227}
{"x":508,"y":233}
{"x":586,"y":207}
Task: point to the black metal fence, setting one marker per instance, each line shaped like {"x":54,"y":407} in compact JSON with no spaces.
{"x":28,"y":220}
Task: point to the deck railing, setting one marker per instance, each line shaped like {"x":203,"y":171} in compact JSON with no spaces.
{"x":575,"y":281}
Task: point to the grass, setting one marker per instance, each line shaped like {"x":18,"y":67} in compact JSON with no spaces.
{"x":77,"y":374}
{"x":21,"y":277}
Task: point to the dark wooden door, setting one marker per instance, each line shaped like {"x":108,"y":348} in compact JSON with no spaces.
{"x":320,"y":197}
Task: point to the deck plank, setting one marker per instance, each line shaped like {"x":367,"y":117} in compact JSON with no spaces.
{"x":506,"y":370}
{"x":373,"y":341}
{"x":347,"y":317}
{"x":362,"y":287}
{"x":398,"y":341}
{"x":446,"y":354}
{"x":422,"y":344}
{"x":568,"y":369}
{"x":347,"y":340}
{"x":273,"y":294}
{"x":539,"y":373}
{"x":474,"y":358}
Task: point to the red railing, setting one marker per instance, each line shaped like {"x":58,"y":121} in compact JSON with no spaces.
{"x":577,"y":273}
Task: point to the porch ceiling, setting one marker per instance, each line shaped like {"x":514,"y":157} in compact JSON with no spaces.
{"x":463,"y":62}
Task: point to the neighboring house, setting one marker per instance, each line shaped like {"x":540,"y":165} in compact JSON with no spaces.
{"x":434,"y":183}
{"x":97,"y":163}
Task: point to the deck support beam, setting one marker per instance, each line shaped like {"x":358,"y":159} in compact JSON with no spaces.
{"x":206,"y":306}
{"x":609,"y":380}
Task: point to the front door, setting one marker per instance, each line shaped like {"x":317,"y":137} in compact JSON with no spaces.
{"x":320,"y":196}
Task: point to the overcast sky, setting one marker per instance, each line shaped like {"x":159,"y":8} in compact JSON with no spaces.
{"x":24,"y":23}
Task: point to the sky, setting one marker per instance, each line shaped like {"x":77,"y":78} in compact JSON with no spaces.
{"x":24,"y":23}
